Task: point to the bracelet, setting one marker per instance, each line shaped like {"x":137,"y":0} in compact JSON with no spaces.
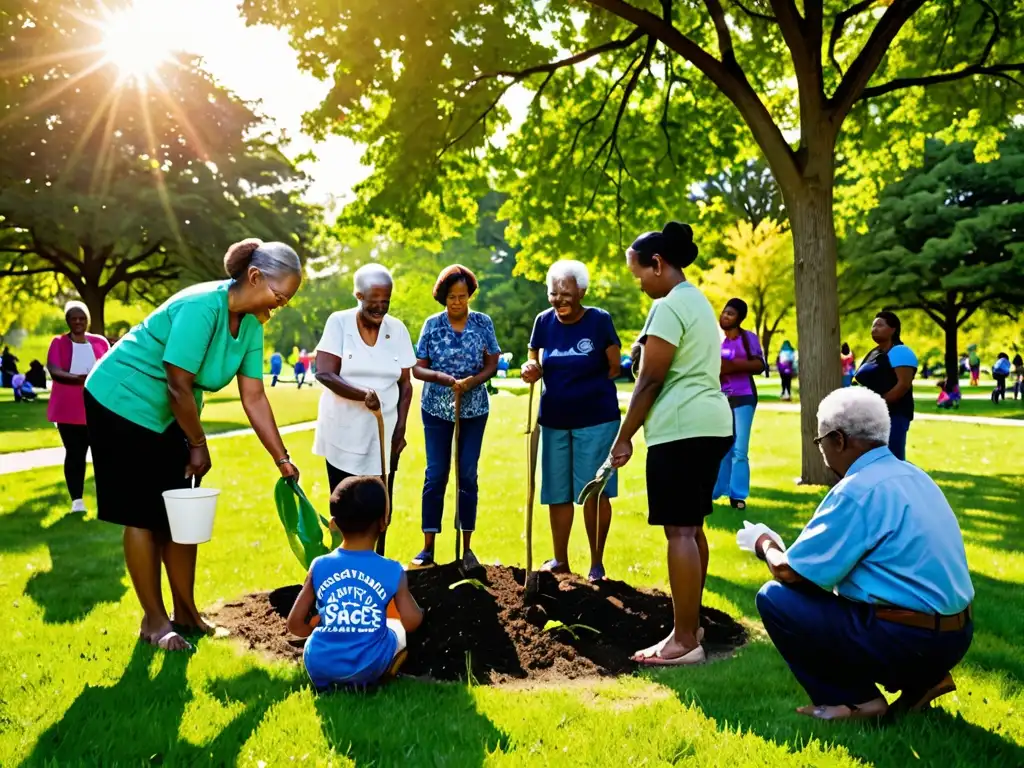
{"x":286,"y":459}
{"x":198,"y":444}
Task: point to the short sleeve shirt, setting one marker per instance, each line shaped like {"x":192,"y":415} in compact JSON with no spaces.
{"x":352,"y":642}
{"x":577,"y":391}
{"x":691,"y":403}
{"x":886,"y":535}
{"x":740,"y":385}
{"x":346,"y":430}
{"x":191,"y":330}
{"x":459,"y":354}
{"x":878,"y":373}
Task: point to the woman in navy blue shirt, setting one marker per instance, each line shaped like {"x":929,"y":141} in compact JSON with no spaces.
{"x":457,"y":352}
{"x":575,"y":350}
{"x":889,"y":371}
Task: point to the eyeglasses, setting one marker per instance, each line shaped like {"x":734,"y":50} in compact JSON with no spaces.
{"x":820,"y":440}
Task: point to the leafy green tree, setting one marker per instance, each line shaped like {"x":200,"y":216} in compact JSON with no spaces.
{"x":633,"y":103}
{"x":947,"y":239}
{"x":122,"y":186}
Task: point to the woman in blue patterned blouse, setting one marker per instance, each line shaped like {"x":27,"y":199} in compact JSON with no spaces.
{"x":457,"y":352}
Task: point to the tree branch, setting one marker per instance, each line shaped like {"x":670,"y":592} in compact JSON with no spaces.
{"x":837,"y":29}
{"x":867,"y":61}
{"x":611,"y":143}
{"x":754,"y":14}
{"x":24,"y":272}
{"x":990,"y":11}
{"x":731,"y":81}
{"x":722,"y":31}
{"x":552,"y":66}
{"x":993,"y":70}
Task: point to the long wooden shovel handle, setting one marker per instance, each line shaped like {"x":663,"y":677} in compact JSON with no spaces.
{"x":383,"y":464}
{"x":531,"y":471}
{"x":458,"y":501}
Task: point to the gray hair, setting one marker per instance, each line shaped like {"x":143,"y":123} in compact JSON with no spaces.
{"x":567,"y":268}
{"x":370,"y":275}
{"x":857,"y":412}
{"x":78,"y":305}
{"x":272,"y":259}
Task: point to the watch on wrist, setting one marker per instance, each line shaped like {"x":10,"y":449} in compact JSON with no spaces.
{"x":286,"y":459}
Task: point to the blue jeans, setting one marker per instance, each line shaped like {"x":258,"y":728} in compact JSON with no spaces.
{"x":438,"y":435}
{"x":734,"y":471}
{"x":838,"y":649}
{"x":899,"y":426}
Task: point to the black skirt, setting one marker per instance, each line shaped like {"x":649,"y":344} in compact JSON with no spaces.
{"x":133,"y":466}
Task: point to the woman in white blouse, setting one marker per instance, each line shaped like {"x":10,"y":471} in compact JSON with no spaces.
{"x":364,"y":361}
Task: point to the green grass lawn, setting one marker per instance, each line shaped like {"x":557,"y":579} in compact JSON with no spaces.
{"x":23,"y":426}
{"x":76,"y":687}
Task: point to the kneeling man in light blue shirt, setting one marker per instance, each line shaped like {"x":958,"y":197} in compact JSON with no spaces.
{"x":875,"y":590}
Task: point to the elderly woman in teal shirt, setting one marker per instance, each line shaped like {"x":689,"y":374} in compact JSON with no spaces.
{"x":143,"y":402}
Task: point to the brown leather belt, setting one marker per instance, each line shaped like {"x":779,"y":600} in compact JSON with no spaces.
{"x":933,"y":621}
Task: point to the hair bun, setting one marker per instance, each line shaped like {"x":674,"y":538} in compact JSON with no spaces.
{"x":239,"y":255}
{"x":678,"y":234}
{"x":680,"y":238}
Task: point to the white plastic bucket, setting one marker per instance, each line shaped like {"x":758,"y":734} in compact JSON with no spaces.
{"x":190,"y":513}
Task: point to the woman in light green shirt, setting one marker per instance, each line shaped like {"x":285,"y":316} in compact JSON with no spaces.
{"x":687,"y":426}
{"x":142,"y":405}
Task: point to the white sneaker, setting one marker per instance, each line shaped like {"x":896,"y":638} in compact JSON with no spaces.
{"x":78,"y":505}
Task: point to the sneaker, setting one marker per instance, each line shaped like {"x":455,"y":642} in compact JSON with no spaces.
{"x":596,"y":574}
{"x":78,"y":505}
{"x":424,"y":559}
{"x":469,"y":560}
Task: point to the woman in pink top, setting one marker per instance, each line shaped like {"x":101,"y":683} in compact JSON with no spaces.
{"x":69,"y":361}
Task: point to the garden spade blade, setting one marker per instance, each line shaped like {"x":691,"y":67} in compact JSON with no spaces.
{"x":596,"y":486}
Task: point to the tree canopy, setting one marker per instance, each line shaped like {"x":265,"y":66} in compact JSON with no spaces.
{"x":947,"y":239}
{"x":634,"y":103}
{"x":126,"y":184}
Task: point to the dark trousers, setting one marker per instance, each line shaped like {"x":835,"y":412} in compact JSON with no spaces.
{"x":438,"y":434}
{"x":899,"y":426}
{"x":999,"y":393}
{"x":335,"y":476}
{"x":76,"y":444}
{"x":786,"y":379}
{"x":838,"y":649}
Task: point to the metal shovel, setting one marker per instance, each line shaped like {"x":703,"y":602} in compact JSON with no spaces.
{"x":458,"y":496}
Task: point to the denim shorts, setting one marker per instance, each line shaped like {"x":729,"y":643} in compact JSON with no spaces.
{"x":569,"y":459}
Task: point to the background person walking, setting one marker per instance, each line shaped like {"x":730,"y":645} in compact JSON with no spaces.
{"x":786,"y":366}
{"x":742,"y":360}
{"x":70,"y":359}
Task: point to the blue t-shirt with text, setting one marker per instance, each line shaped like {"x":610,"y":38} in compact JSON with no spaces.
{"x":352,"y":643}
{"x":577,"y":391}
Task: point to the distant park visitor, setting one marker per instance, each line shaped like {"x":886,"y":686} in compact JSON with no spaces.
{"x":276,"y":364}
{"x":1018,"y":375}
{"x":742,"y":360}
{"x":142,"y":405}
{"x":364,"y":361}
{"x":875,"y":590}
{"x":687,"y":426}
{"x":888,"y":370}
{"x":457,"y":353}
{"x":575,"y":350}
{"x":70,"y":359}
{"x":974,"y":363}
{"x":848,"y":363}
{"x":785,"y":364}
{"x":1000,"y":371}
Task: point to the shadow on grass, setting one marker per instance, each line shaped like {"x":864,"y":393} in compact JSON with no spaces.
{"x":134,"y":721}
{"x":989,"y":507}
{"x":410,"y":723}
{"x":87,"y":561}
{"x":934,"y":737}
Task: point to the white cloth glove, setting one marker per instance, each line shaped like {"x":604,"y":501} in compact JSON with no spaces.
{"x":747,"y":536}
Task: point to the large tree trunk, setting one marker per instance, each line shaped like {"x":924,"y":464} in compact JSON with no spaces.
{"x":817,"y":314}
{"x":95,"y":299}
{"x":952,"y":356}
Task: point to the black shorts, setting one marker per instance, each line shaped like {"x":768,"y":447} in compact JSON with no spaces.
{"x":133,"y":466}
{"x":681,"y":479}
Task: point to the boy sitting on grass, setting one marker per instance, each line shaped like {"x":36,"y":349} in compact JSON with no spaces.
{"x":351,"y":640}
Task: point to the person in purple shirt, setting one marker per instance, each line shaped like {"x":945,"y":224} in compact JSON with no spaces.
{"x":742,"y":359}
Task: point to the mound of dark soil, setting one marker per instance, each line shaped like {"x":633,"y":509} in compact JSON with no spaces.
{"x":569,"y":629}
